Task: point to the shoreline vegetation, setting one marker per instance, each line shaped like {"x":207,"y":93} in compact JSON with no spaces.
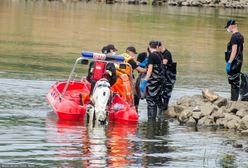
{"x":239,"y":4}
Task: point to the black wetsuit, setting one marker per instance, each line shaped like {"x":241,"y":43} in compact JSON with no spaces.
{"x":154,"y":85}
{"x":169,"y":72}
{"x":236,"y":65}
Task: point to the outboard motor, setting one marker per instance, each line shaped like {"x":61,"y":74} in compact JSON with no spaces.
{"x":100,"y":98}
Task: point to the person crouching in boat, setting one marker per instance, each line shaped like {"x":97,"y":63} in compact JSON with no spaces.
{"x":100,"y":69}
{"x":130,"y":56}
{"x":153,"y":81}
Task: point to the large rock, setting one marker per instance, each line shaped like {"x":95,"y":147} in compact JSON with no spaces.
{"x":210,"y":95}
{"x":233,"y":124}
{"x":206,"y":121}
{"x":207,"y":110}
{"x":191,"y":122}
{"x":171,"y":112}
{"x":241,"y":113}
{"x":234,"y":106}
{"x":221,"y":102}
{"x":244,"y":123}
{"x":184,"y":116}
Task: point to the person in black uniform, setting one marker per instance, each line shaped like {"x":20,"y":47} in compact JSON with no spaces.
{"x":169,"y":71}
{"x":234,"y":58}
{"x":153,"y":80}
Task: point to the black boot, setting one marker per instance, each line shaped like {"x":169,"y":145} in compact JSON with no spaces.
{"x":152,"y":112}
{"x":160,"y":113}
{"x":234,"y":93}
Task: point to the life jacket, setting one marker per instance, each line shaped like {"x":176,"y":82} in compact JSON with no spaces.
{"x":128,"y":69}
{"x":123,"y":86}
{"x":98,"y":70}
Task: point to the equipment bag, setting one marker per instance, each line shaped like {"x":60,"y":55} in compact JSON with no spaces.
{"x":244,"y":87}
{"x":99,"y":70}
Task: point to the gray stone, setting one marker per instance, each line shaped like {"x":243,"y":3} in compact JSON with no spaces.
{"x":244,"y":132}
{"x":196,"y":115}
{"x":206,"y":121}
{"x":233,"y":124}
{"x":196,"y":109}
{"x":221,"y":102}
{"x":207,"y":110}
{"x":171,"y":112}
{"x":242,"y":112}
{"x":218,"y":114}
{"x":184,"y":116}
{"x":244,"y":123}
{"x":230,"y":116}
{"x":191,"y":122}
{"x":234,"y":106}
{"x":221,"y":122}
{"x":179,"y":109}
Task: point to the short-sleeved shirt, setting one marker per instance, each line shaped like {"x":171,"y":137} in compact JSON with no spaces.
{"x":155,"y":58}
{"x":133,"y":64}
{"x":237,"y":38}
{"x":167,"y":55}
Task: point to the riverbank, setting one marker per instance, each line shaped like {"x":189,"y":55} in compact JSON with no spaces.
{"x":196,"y":3}
{"x":211,"y":110}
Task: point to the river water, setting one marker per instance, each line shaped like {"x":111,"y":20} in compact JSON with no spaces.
{"x":39,"y":41}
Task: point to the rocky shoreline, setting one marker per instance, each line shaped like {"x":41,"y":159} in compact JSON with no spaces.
{"x":211,"y":110}
{"x":240,"y":4}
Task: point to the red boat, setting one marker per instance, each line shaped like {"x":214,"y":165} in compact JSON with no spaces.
{"x":69,"y":99}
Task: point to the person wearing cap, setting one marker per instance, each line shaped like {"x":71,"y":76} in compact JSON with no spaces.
{"x":152,"y":83}
{"x":109,"y":49}
{"x":129,"y":56}
{"x":234,"y":58}
{"x":109,"y":70}
{"x":169,"y":70}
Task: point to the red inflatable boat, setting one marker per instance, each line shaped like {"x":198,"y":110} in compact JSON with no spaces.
{"x":69,"y":99}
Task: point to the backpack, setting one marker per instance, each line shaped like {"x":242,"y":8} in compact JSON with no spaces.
{"x":244,"y":87}
{"x":98,"y":71}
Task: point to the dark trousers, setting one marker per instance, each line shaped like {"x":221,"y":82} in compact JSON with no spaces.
{"x":234,"y":81}
{"x":154,"y":106}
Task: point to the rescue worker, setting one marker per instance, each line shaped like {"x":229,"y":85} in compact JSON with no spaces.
{"x":234,"y":58}
{"x":129,"y":56}
{"x":131,"y":51}
{"x":169,"y":71}
{"x":104,"y":70}
{"x":153,"y":81}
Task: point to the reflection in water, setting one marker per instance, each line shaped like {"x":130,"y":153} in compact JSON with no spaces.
{"x":121,"y":145}
{"x":155,"y":144}
{"x":101,"y":146}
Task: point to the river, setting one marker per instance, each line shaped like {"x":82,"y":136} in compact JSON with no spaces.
{"x":40,"y":40}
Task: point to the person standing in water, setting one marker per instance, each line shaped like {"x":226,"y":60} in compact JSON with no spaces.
{"x":153,"y":81}
{"x":169,"y":70}
{"x":234,"y":58}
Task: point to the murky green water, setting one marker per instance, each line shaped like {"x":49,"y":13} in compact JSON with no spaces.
{"x":39,"y":42}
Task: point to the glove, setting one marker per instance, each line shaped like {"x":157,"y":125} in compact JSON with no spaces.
{"x":144,"y":63}
{"x":143,"y":85}
{"x":228,"y":67}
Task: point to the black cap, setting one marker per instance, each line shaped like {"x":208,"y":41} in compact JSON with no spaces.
{"x":230,"y":22}
{"x":111,"y":47}
{"x":141,"y":56}
{"x":154,"y":44}
{"x":132,"y":49}
{"x":106,"y":49}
